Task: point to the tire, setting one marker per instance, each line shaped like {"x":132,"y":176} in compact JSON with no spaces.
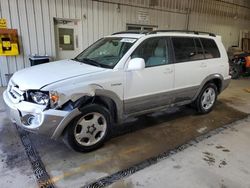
{"x":90,"y":130}
{"x":206,"y":99}
{"x":234,"y":71}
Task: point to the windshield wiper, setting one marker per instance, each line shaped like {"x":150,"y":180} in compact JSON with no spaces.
{"x":92,"y":62}
{"x":88,"y":61}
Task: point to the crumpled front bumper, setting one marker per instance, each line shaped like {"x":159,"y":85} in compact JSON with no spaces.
{"x":34,"y":118}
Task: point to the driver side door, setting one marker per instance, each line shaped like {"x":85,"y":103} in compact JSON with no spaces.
{"x":149,"y":88}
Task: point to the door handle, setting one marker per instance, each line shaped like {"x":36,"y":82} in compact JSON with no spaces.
{"x":168,"y":71}
{"x":203,"y":65}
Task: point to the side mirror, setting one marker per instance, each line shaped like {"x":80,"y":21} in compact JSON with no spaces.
{"x":136,"y":64}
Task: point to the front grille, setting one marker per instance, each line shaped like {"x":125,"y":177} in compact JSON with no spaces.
{"x":15,"y":93}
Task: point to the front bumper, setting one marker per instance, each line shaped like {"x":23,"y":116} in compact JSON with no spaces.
{"x":33,"y":117}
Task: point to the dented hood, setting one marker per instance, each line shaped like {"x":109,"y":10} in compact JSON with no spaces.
{"x":39,"y":76}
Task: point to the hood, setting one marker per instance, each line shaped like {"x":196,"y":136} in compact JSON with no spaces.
{"x":38,"y":76}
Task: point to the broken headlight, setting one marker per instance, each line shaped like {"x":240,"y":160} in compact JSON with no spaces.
{"x":40,"y":97}
{"x":49,"y":99}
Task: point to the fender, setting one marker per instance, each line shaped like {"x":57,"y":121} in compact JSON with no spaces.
{"x":118,"y":102}
{"x":97,"y":90}
{"x":89,"y":91}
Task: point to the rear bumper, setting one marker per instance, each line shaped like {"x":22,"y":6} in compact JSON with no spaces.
{"x":33,"y":117}
{"x":226,"y":83}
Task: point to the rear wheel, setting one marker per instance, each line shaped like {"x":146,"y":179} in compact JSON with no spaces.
{"x":90,"y":130}
{"x":207,"y":98}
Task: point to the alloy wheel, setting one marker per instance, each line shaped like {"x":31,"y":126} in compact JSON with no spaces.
{"x":90,"y":129}
{"x":208,"y":98}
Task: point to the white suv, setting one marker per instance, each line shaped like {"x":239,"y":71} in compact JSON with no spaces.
{"x":122,"y":75}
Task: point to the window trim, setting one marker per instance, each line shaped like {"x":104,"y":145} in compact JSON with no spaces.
{"x":196,"y":48}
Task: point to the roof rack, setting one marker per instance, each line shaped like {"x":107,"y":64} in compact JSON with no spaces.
{"x":131,"y":32}
{"x":163,"y":31}
{"x":182,"y":31}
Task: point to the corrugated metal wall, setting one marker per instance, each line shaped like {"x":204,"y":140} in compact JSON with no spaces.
{"x":34,"y":21}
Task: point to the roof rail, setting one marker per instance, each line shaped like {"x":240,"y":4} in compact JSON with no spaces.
{"x":182,"y":31}
{"x":131,"y":32}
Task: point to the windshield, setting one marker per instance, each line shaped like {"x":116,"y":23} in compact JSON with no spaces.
{"x":106,"y":52}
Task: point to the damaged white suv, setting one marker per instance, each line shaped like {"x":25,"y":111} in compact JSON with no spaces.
{"x":122,"y":75}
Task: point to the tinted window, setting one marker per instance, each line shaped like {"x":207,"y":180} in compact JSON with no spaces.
{"x":184,"y":49}
{"x":210,"y":48}
{"x":199,"y":50}
{"x":153,"y":51}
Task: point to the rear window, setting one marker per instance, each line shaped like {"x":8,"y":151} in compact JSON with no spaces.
{"x":210,"y":48}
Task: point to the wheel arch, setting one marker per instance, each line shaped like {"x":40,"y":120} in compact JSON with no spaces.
{"x":102,"y":97}
{"x":217,"y":79}
{"x":217,"y":82}
{"x":105,"y":101}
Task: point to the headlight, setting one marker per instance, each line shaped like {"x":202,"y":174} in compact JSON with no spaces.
{"x":39,"y":97}
{"x":44,"y":97}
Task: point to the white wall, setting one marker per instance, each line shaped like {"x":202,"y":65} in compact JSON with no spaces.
{"x":34,"y":21}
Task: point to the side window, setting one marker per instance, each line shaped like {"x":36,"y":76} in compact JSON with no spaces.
{"x":153,"y":51}
{"x":210,"y":48}
{"x":184,"y":49}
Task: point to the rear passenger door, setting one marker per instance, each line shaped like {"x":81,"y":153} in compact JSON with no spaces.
{"x":190,"y":67}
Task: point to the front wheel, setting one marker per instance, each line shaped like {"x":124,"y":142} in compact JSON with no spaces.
{"x":89,"y":130}
{"x":207,"y":98}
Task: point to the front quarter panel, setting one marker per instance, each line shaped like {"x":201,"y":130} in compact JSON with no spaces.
{"x":107,"y":83}
{"x":75,"y":88}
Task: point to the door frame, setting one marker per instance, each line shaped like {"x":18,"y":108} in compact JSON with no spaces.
{"x":79,"y":23}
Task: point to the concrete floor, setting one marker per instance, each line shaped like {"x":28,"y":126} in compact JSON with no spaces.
{"x":214,"y":162}
{"x":220,"y":161}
